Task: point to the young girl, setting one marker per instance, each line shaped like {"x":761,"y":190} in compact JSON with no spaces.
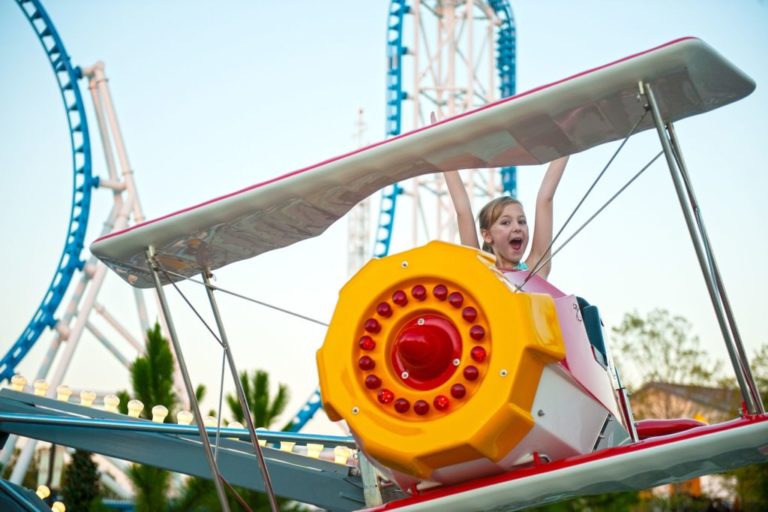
{"x":503,"y":225}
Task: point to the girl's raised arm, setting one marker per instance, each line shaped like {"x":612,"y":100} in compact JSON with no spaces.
{"x":461,"y":203}
{"x":542,"y":232}
{"x":463,"y":207}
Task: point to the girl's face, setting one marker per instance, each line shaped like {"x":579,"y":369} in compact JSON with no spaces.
{"x":508,"y":236}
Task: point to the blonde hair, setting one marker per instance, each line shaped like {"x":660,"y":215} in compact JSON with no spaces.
{"x":491,"y":212}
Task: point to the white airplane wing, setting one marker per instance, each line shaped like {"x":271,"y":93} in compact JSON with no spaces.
{"x":565,"y":117}
{"x":642,"y":465}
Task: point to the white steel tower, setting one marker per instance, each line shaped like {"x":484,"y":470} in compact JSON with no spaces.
{"x":358,"y":234}
{"x":446,"y":57}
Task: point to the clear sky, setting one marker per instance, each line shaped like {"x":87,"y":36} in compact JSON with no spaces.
{"x":216,"y":96}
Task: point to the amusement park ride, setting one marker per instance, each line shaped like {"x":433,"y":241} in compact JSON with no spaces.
{"x":464,"y":387}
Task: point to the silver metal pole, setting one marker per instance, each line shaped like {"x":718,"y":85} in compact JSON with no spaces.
{"x":241,"y":394}
{"x":703,"y":256}
{"x":742,"y":354}
{"x":217,"y":478}
{"x":371,"y":487}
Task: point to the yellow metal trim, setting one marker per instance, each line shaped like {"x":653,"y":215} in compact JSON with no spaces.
{"x":522,"y":336}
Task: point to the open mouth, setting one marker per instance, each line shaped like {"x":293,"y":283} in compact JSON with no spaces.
{"x":516,"y":243}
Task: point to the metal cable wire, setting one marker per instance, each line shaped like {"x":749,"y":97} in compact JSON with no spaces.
{"x":614,"y":196}
{"x":194,"y":310}
{"x":539,"y":265}
{"x":221,"y":389}
{"x":237,"y":496}
{"x":249,"y":299}
{"x":221,"y":401}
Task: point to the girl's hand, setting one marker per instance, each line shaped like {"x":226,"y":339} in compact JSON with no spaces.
{"x":542,"y":232}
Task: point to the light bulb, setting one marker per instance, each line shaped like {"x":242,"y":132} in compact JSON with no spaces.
{"x":314,"y":450}
{"x":134,"y":408}
{"x":58,"y":507}
{"x":210,"y":421}
{"x":159,"y":412}
{"x":63,"y":392}
{"x":262,"y":442}
{"x":184,"y":418}
{"x":87,"y":398}
{"x":111,"y":402}
{"x":18,"y":382}
{"x":41,"y":387}
{"x":341,"y":454}
{"x":235,"y":424}
{"x":287,"y":446}
{"x":43,"y":492}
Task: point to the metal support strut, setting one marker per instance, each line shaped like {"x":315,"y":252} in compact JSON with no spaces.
{"x":217,"y":478}
{"x":240,"y":394}
{"x":709,"y":269}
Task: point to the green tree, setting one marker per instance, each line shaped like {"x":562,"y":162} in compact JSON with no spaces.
{"x":152,"y":382}
{"x":620,"y":501}
{"x":152,"y":374}
{"x":199,"y":495}
{"x":660,"y":348}
{"x":80,"y":486}
{"x":264,"y":408}
{"x":151,"y":485}
{"x":264,"y":411}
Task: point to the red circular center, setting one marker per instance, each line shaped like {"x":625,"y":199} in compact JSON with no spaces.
{"x":425,"y":349}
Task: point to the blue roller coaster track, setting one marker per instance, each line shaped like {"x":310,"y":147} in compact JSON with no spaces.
{"x":505,"y":64}
{"x":70,"y":261}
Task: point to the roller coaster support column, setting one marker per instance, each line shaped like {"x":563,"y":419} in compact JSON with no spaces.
{"x":102,"y":100}
{"x":215,"y":475}
{"x":123,"y":207}
{"x":715,"y":287}
{"x":84,"y":300}
{"x":118,"y":219}
{"x":109,"y":129}
{"x":20,"y":468}
{"x":63,"y":333}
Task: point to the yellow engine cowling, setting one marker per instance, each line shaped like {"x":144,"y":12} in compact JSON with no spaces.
{"x":433,"y":359}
